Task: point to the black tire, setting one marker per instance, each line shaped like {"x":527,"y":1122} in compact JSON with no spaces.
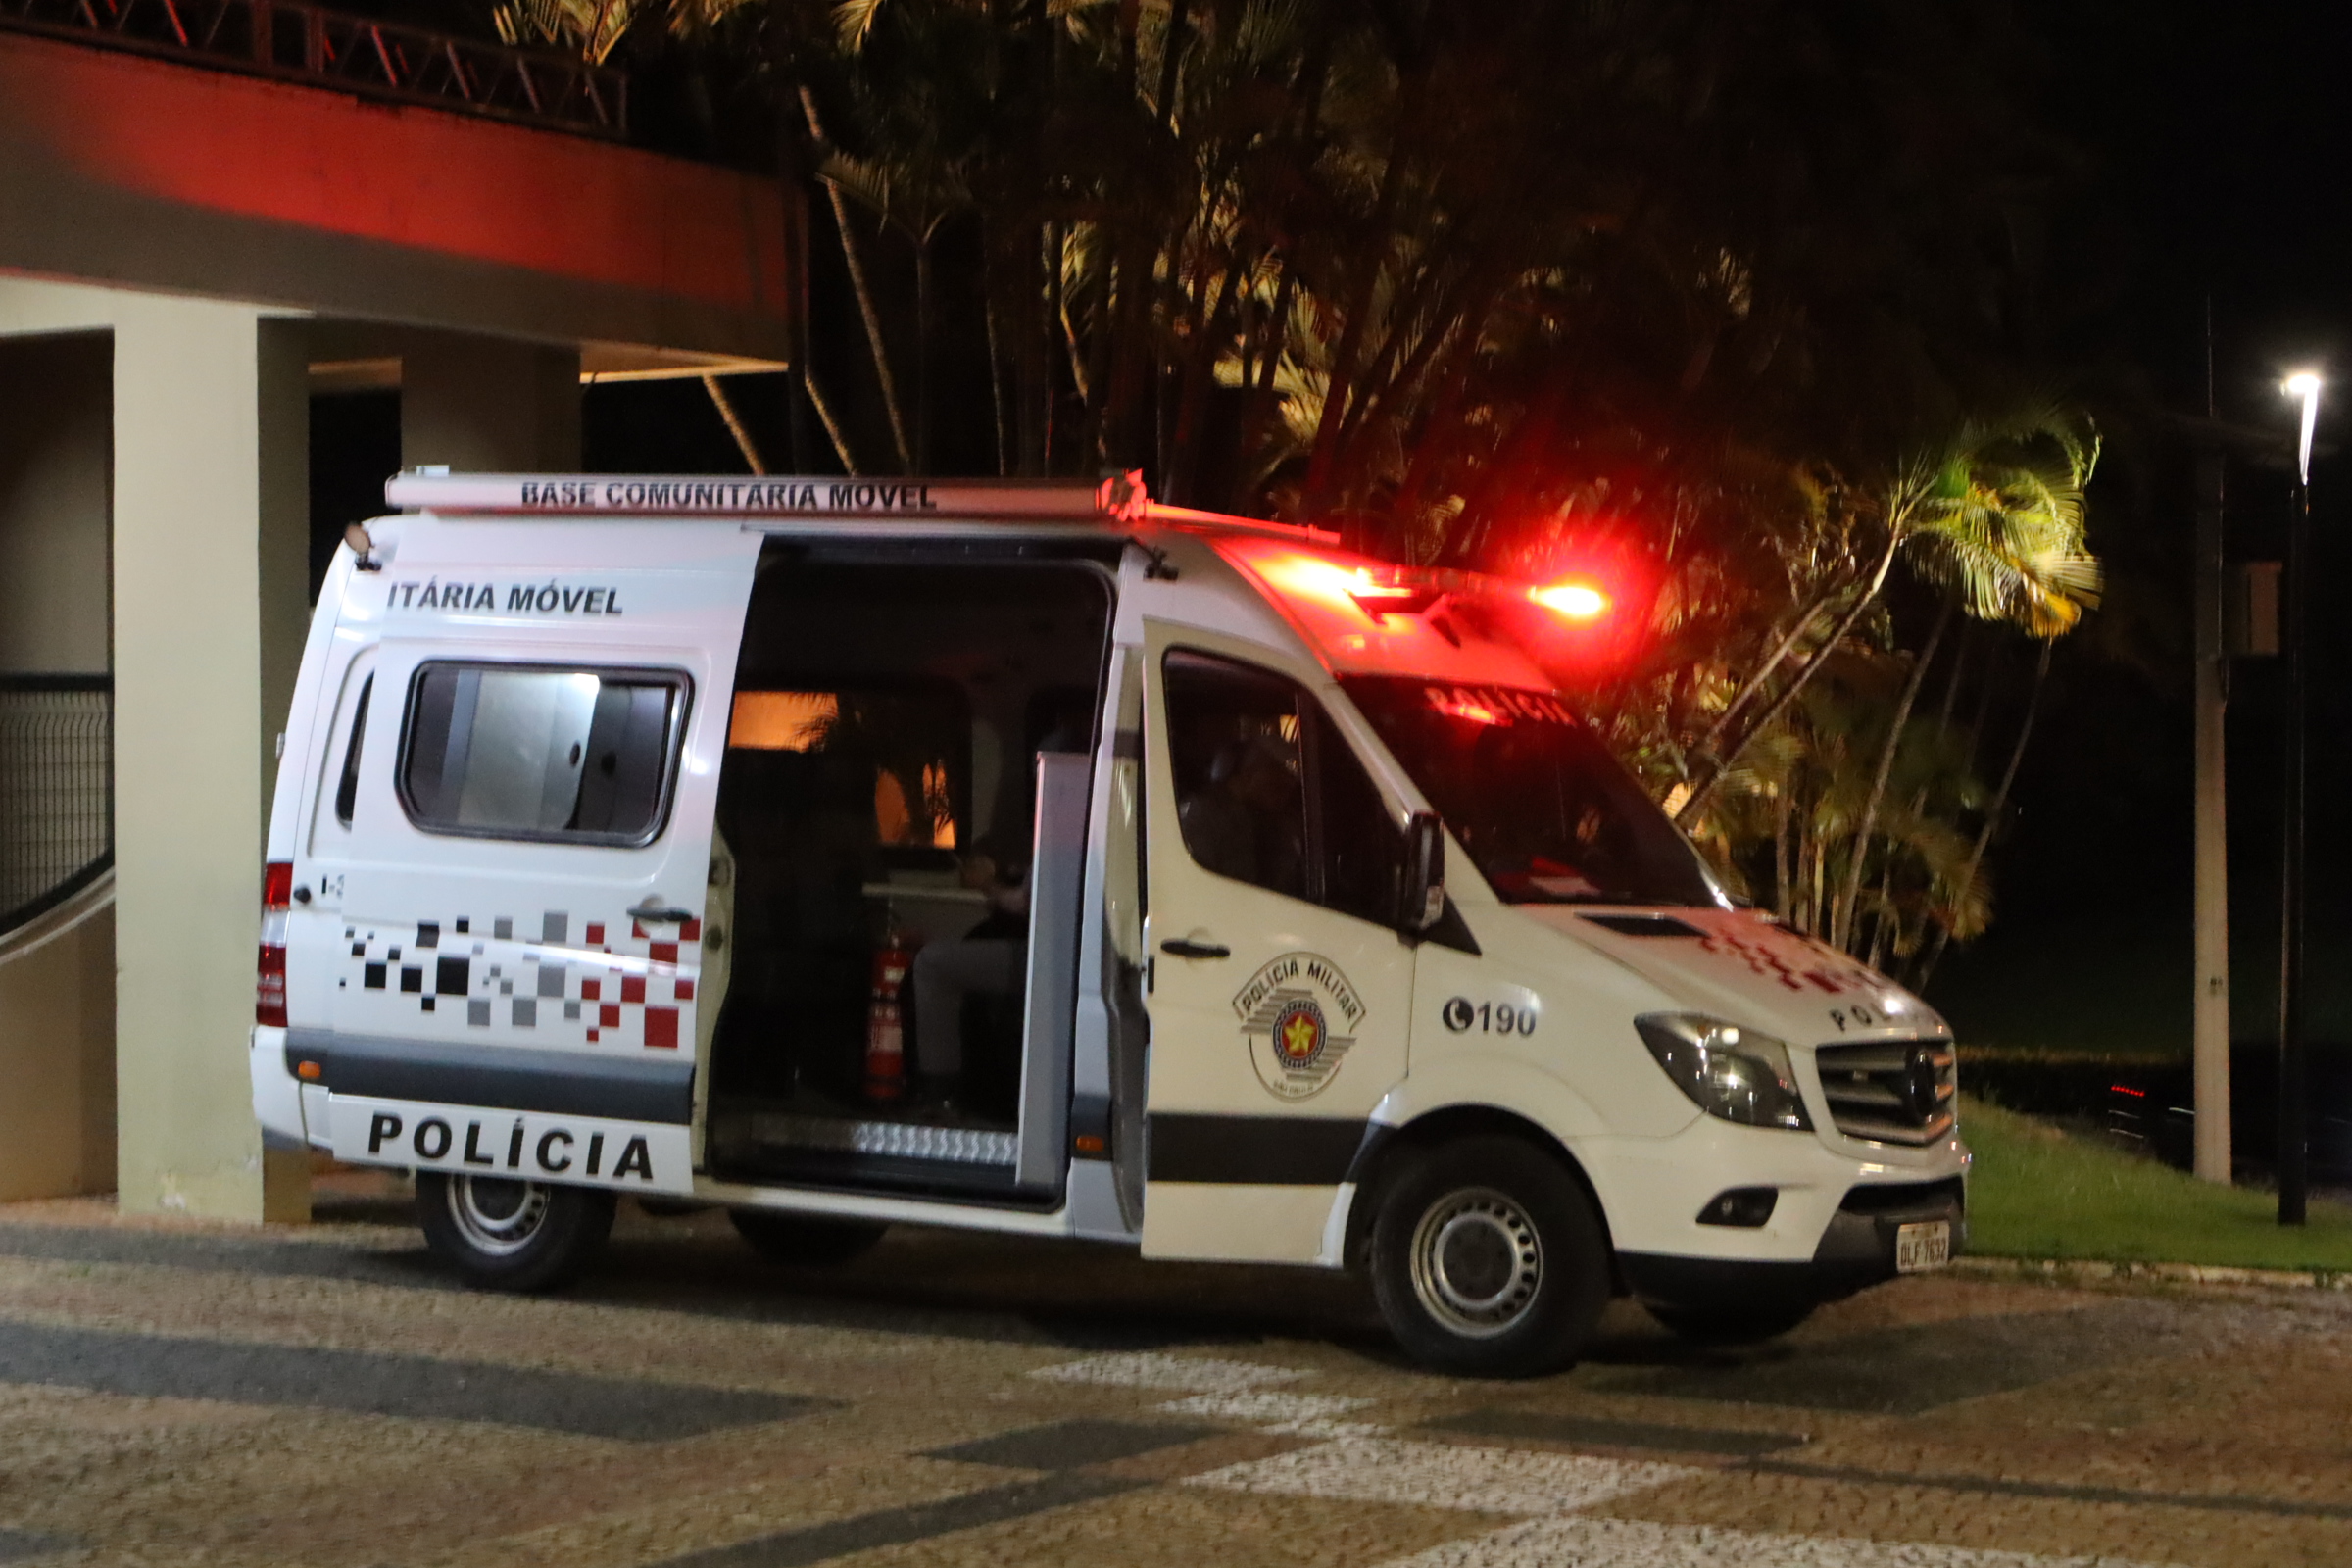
{"x":798,"y":1240}
{"x":1732,"y":1325}
{"x":1488,"y":1259}
{"x":512,"y":1235}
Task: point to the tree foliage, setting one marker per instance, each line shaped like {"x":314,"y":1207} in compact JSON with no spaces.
{"x":1736,"y":299}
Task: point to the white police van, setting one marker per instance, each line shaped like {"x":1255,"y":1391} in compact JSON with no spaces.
{"x":1035,"y":858}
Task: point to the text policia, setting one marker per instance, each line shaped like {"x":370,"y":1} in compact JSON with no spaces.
{"x":525,"y":1144}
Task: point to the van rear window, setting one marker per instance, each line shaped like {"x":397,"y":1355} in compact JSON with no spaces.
{"x":509,"y":750}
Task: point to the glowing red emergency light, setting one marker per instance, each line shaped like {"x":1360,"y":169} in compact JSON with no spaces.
{"x":1390,"y":592}
{"x":1573,"y":598}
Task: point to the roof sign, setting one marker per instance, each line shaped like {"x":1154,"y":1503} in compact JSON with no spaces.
{"x":1120,"y":498}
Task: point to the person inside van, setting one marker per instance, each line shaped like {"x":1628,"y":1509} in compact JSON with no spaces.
{"x":1248,"y":822}
{"x":990,"y":959}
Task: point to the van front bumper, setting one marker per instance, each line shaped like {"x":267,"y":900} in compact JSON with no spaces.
{"x":1856,"y":1251}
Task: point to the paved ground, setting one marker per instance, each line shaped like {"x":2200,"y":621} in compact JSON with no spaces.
{"x":174,"y":1394}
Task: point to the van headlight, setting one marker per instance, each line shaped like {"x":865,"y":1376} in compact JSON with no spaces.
{"x":1728,"y":1071}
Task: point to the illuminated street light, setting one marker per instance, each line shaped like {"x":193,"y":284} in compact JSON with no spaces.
{"x":2294,"y":1123}
{"x":2305,"y":385}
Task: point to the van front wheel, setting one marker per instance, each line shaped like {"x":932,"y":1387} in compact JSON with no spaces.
{"x":1487,"y":1259}
{"x":512,"y":1235}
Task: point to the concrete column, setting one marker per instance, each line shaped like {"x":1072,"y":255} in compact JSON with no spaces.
{"x":484,"y":404}
{"x":209,"y":538}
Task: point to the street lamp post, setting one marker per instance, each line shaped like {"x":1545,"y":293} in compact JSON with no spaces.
{"x":2293,"y":1118}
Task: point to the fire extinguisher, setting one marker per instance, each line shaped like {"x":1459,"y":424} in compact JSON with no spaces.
{"x":885,"y":1020}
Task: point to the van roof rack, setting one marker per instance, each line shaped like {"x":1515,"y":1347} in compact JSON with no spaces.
{"x":1118,"y":498}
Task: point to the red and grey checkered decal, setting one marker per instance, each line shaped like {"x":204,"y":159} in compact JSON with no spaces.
{"x":552,"y":986}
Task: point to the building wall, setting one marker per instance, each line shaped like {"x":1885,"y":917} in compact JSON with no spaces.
{"x":209,"y":538}
{"x":56,"y":975}
{"x":151,"y":174}
{"x":55,"y":456}
{"x":203,"y":230}
{"x":205,"y":481}
{"x":57,"y":1051}
{"x":483,"y":405}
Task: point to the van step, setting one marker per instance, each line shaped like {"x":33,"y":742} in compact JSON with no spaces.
{"x":965,"y":1145}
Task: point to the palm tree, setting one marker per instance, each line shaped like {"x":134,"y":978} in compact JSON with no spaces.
{"x":1996,"y":512}
{"x":869,"y":312}
{"x":591,"y":29}
{"x":1992,"y":813}
{"x":1786,"y":829}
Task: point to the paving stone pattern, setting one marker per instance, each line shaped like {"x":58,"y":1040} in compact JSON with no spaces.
{"x":1072,"y":1444}
{"x":1650,"y":1436}
{"x":365,"y":1383}
{"x":331,"y":1398}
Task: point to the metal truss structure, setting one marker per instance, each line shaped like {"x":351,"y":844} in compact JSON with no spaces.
{"x":320,"y":48}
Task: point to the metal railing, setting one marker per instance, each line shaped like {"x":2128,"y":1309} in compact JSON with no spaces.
{"x":57,"y":790}
{"x":320,"y":48}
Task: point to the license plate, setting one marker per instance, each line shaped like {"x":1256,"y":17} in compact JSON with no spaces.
{"x":1919,"y":1248}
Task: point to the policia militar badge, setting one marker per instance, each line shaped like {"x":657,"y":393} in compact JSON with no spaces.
{"x":1299,"y":1015}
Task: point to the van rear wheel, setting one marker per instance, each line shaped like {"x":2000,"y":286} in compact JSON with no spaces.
{"x":512,"y":1235}
{"x":798,"y":1240}
{"x":1488,"y":1259}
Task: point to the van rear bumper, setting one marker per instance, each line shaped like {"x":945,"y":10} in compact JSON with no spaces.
{"x":1856,"y":1251}
{"x":277,"y":1092}
{"x":559,"y":1083}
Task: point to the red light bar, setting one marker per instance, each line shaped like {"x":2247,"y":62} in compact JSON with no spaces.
{"x":1577,"y":600}
{"x":1388,"y":593}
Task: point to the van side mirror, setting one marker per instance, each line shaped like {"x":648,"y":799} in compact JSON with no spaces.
{"x":1423,"y":901}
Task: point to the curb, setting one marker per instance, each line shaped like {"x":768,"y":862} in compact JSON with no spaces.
{"x":2068,"y":1271}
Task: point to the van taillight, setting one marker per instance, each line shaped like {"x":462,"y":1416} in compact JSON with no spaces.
{"x":269,"y":974}
{"x":270,"y":986}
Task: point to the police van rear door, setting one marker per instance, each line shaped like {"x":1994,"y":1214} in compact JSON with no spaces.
{"x":520,"y":891}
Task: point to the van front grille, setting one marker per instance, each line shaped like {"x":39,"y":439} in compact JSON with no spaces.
{"x":1894,"y":1092}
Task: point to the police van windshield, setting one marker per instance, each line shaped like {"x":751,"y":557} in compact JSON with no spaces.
{"x":1546,"y":813}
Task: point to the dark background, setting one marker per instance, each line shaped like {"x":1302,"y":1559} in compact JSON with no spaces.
{"x":2216,"y":138}
{"x":2201,"y":250}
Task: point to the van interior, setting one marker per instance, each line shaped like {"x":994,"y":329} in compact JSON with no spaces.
{"x":878,"y":795}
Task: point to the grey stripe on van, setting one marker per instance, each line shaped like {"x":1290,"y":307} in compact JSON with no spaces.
{"x":1255,"y":1151}
{"x":556,"y":1083}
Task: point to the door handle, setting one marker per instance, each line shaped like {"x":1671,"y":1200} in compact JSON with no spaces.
{"x":1184,"y":947}
{"x":653,"y":912}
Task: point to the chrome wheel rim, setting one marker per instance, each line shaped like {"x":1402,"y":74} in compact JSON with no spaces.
{"x":1478,"y":1262}
{"x":496,"y":1216}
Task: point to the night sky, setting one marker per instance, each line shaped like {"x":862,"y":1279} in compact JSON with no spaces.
{"x":2216,"y":138}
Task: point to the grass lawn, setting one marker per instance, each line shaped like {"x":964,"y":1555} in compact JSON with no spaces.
{"x":2037,"y":1192}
